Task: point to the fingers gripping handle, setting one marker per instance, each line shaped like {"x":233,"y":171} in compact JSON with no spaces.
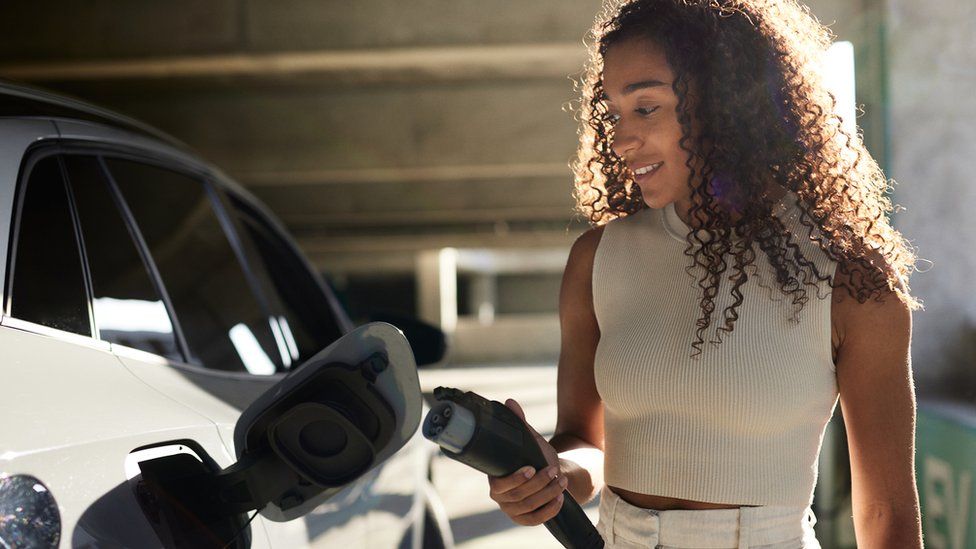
{"x":487,"y":435}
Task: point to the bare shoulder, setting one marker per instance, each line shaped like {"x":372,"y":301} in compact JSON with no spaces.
{"x":579,"y":267}
{"x":881,"y":320}
{"x":586,"y":244}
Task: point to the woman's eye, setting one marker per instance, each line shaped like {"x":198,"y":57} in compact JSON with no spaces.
{"x":644,"y":111}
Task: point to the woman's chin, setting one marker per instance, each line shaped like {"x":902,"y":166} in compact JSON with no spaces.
{"x":655,"y":202}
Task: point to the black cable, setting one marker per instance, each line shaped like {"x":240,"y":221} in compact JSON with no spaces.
{"x":241,"y":531}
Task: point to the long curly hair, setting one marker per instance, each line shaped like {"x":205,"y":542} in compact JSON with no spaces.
{"x":762,"y":117}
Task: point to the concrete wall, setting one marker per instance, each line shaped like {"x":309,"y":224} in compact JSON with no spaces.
{"x":932,"y":58}
{"x":916,"y":69}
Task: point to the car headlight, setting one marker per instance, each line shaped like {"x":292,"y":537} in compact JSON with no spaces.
{"x":29,"y":515}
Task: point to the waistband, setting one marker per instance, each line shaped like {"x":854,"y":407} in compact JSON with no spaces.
{"x":705,"y":529}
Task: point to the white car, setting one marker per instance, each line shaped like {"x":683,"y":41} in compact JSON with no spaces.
{"x":147,"y":301}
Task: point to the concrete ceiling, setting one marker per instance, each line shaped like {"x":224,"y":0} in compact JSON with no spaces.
{"x":368,"y":127}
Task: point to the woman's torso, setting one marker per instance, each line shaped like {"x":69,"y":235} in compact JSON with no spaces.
{"x":778,"y":412}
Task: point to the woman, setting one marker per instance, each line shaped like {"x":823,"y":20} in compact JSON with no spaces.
{"x":701,"y":357}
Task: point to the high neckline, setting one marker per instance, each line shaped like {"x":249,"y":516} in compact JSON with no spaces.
{"x":785,"y":209}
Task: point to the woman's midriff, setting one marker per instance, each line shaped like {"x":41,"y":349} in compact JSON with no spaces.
{"x":660,"y":503}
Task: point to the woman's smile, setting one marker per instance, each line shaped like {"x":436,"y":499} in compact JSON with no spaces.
{"x":644,"y":172}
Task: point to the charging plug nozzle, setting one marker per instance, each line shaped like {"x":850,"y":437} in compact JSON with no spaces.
{"x":449,"y":425}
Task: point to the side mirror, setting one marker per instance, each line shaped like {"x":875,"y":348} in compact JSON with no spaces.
{"x":428,"y":342}
{"x":338,"y":415}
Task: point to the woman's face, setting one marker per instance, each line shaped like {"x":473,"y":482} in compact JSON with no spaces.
{"x":637,"y":83}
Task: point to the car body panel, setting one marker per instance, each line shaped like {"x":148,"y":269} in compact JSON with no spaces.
{"x":80,"y":451}
{"x":195,"y":387}
{"x":60,"y":368}
{"x":401,"y":500}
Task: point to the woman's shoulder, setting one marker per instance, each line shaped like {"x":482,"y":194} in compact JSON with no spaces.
{"x":887,"y":298}
{"x":584,"y":249}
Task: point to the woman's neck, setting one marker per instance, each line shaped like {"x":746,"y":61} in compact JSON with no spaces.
{"x":683,"y":206}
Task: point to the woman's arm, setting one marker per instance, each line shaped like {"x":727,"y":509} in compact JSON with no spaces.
{"x":877,"y":396}
{"x":579,"y":427}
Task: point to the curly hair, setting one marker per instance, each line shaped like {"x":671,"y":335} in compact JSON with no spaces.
{"x":762,"y":116}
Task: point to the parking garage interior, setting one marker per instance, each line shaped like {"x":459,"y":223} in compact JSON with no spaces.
{"x":419,"y":152}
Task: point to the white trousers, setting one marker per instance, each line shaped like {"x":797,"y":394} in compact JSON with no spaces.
{"x":625,"y":526}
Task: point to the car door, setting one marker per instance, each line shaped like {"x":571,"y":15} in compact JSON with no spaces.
{"x":74,"y":417}
{"x":234,"y":348}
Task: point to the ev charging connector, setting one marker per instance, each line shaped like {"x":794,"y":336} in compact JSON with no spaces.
{"x":487,"y":435}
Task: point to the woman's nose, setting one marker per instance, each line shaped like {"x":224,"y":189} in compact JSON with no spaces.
{"x":624,"y":141}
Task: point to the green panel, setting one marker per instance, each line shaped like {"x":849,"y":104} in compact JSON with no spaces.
{"x":945,"y":460}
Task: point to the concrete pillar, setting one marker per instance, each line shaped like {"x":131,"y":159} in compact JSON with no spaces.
{"x":484,"y":295}
{"x":437,"y":288}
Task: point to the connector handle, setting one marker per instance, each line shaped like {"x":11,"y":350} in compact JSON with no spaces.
{"x":500,"y":444}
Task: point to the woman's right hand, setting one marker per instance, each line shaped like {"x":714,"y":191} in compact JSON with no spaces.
{"x":527,"y":496}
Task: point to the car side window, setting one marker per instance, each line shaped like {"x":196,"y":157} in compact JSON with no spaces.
{"x":48,"y":285}
{"x":308,"y":322}
{"x":224,"y":325}
{"x":127,"y":307}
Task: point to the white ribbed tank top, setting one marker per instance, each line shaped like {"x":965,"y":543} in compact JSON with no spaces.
{"x":741,"y":424}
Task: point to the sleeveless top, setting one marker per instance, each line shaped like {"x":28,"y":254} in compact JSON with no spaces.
{"x":743,"y":422}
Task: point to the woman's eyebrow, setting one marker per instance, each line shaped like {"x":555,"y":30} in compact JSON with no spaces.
{"x":642,"y":85}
